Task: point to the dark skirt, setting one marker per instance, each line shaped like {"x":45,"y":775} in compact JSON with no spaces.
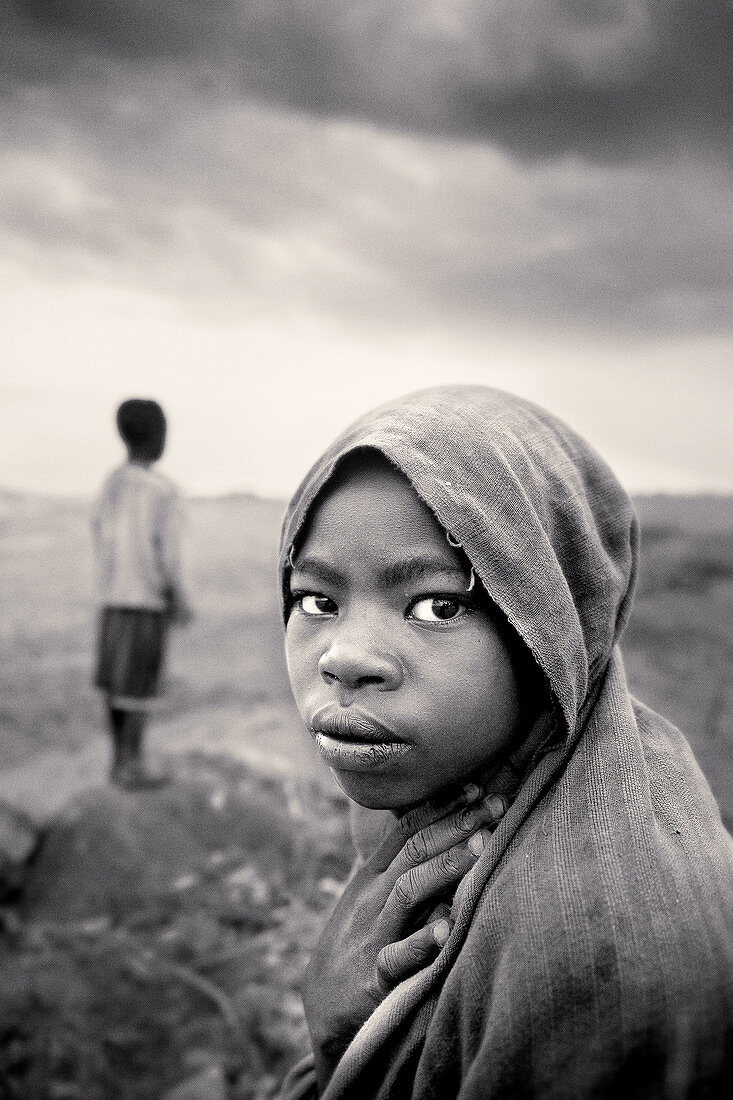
{"x":130,"y":652}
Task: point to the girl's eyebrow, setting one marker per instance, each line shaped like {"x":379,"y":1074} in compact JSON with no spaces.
{"x":393,"y":575}
{"x":320,"y":570}
{"x":413,"y":569}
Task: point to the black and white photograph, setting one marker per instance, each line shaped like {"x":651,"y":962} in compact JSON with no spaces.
{"x":366,"y":541}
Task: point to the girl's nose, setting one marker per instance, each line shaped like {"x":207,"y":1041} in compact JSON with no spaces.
{"x":354,"y":666}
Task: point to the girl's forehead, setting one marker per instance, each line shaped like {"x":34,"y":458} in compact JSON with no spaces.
{"x":368,"y":504}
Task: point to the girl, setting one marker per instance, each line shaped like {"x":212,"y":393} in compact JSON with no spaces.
{"x":547,"y":912}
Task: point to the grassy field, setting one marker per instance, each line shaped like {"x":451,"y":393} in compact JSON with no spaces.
{"x":199,"y":972}
{"x":679,"y":643}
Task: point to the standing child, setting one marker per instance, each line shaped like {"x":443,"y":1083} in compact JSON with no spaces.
{"x":548,"y":910}
{"x":136,"y":522}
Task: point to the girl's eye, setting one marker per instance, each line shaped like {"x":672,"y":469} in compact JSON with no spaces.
{"x":312,"y":604}
{"x":438,"y":609}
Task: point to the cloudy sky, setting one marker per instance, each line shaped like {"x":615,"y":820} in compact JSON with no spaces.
{"x":272,"y":214}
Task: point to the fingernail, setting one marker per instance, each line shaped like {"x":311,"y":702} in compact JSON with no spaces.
{"x":496,"y":805}
{"x":477,"y":843}
{"x":441,"y":932}
{"x":471,"y":792}
{"x":468,"y":817}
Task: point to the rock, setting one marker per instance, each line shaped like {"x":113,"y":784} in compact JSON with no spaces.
{"x":18,"y":840}
{"x":207,"y":1084}
{"x":18,"y":834}
{"x":113,"y":851}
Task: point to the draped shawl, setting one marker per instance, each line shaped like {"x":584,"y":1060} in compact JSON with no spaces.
{"x":592,"y":952}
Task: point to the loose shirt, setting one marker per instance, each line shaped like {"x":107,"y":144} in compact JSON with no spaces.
{"x":137,"y":523}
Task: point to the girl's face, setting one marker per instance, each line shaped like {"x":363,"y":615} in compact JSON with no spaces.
{"x":403,"y":677}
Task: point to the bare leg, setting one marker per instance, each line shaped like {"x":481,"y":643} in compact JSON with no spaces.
{"x":115,"y":721}
{"x":133,"y":726}
{"x":131,"y":773}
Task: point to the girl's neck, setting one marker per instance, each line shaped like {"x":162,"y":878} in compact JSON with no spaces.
{"x":506,"y":775}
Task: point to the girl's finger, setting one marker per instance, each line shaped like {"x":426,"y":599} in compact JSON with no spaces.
{"x":418,"y":886}
{"x":398,"y":961}
{"x":419,"y":818}
{"x":428,"y":812}
{"x":449,"y":831}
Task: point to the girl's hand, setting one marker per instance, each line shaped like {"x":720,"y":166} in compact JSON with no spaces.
{"x":393,"y":917}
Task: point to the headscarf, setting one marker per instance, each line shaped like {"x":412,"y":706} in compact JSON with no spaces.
{"x":592,"y":952}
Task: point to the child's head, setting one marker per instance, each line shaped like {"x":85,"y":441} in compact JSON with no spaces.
{"x":455,"y":562}
{"x":405,"y":673}
{"x":142,"y":425}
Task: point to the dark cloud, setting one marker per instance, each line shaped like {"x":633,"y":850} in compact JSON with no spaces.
{"x":604,"y":78}
{"x":130,"y":27}
{"x":247,"y":208}
{"x":679,"y":93}
{"x":153,"y":143}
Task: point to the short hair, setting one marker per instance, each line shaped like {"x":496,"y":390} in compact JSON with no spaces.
{"x":141,"y":422}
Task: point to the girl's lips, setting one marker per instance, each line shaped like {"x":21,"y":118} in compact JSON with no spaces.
{"x":352,"y":741}
{"x":345,"y":724}
{"x":358,"y":756}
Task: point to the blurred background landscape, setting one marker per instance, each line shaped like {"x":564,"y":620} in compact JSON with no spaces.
{"x":161,"y":937}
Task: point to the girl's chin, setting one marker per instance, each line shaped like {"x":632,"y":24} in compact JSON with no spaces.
{"x":378,"y":793}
